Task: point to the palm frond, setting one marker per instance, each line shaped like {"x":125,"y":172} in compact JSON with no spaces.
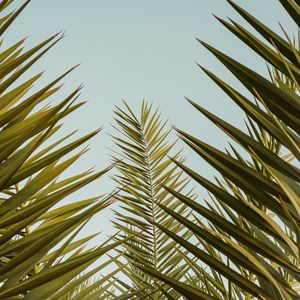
{"x":39,"y":252}
{"x":144,"y":168}
{"x":248,"y":237}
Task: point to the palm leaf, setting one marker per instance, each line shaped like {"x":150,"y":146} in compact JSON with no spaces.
{"x":249,"y":234}
{"x":39,"y":252}
{"x":143,"y":168}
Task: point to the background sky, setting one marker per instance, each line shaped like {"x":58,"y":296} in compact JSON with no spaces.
{"x":137,"y":49}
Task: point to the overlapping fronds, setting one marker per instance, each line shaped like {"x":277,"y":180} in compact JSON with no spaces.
{"x":39,"y":252}
{"x":144,"y":167}
{"x":249,"y":232}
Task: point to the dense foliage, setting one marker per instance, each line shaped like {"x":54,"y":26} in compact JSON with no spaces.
{"x":40,"y":257}
{"x":249,"y":231}
{"x":242,"y":243}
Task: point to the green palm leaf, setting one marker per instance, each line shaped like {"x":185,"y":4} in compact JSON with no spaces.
{"x":144,"y":168}
{"x":249,"y":234}
{"x":39,"y":252}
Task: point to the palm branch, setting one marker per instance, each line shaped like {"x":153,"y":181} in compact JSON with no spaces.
{"x":249,"y":234}
{"x":39,"y":252}
{"x":144,"y":167}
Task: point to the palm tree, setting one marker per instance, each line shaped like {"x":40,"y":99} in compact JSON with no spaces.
{"x":40,"y":257}
{"x":248,"y":232}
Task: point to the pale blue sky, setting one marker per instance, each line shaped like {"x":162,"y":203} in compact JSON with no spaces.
{"x":137,"y":49}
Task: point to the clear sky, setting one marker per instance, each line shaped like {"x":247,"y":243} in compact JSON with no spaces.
{"x":138,"y":49}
